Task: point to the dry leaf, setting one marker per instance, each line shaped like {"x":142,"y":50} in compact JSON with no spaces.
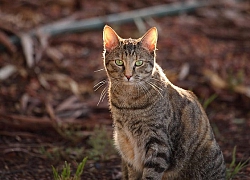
{"x":63,"y":81}
{"x":50,"y":110}
{"x":27,"y":44}
{"x":184,"y":71}
{"x":43,"y":82}
{"x":24,"y":101}
{"x":242,"y":90}
{"x":42,"y":45}
{"x":54,"y":54}
{"x":218,"y":82}
{"x":214,"y":78}
{"x":66,"y":103}
{"x":7,"y":71}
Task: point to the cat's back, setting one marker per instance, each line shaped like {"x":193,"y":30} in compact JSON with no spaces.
{"x":193,"y":138}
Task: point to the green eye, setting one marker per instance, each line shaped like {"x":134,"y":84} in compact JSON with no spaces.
{"x":119,"y":62}
{"x":138,"y":63}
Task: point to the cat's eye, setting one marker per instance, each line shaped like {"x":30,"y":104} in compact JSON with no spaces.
{"x":138,"y":63}
{"x":119,"y":62}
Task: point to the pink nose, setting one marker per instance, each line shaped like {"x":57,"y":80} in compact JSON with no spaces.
{"x":128,"y":77}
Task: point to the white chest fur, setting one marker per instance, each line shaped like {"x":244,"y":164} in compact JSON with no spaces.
{"x":129,"y":148}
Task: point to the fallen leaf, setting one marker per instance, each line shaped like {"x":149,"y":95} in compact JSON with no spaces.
{"x":7,"y":71}
{"x":184,"y":71}
{"x":218,"y":82}
{"x":214,"y":78}
{"x":24,"y":101}
{"x":66,"y":103}
{"x":63,"y":81}
{"x":27,"y":44}
{"x":242,"y":90}
{"x":54,"y":54}
{"x":50,"y":110}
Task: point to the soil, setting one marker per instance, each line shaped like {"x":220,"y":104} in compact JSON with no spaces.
{"x":49,"y":111}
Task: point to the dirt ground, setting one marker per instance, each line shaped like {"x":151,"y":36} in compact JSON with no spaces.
{"x":48,"y":106}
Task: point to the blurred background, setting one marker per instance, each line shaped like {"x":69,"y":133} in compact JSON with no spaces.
{"x":52,"y":78}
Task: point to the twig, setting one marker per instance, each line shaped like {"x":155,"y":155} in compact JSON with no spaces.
{"x":35,"y":123}
{"x":140,"y":25}
{"x":5,"y":40}
{"x":18,"y":149}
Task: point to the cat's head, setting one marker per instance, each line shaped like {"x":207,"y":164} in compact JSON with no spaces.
{"x":129,"y":60}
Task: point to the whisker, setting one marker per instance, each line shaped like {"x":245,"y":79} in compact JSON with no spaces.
{"x":98,"y":85}
{"x":103,"y":95}
{"x":101,"y":82}
{"x":99,"y":70}
{"x":145,"y":90}
{"x":157,"y":80}
{"x":156,"y":88}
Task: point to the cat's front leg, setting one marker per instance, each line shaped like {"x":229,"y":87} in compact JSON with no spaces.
{"x":129,"y":173}
{"x":157,"y":160}
{"x":150,"y":174}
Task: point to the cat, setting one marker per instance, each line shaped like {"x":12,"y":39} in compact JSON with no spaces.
{"x":160,"y":130}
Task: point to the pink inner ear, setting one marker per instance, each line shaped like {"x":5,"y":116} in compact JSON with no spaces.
{"x":149,"y":40}
{"x":110,"y":38}
{"x":152,"y":46}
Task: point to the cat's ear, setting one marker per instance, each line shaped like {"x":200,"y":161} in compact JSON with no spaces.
{"x":149,"y":39}
{"x":110,"y":38}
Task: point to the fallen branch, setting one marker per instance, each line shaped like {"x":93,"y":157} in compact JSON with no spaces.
{"x":6,"y":42}
{"x":70,"y":26}
{"x":36,"y":123}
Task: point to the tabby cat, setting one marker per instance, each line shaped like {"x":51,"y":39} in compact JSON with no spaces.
{"x":160,"y":130}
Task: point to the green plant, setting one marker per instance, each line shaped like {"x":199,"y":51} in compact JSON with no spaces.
{"x":234,"y":168}
{"x":102,"y":145}
{"x":216,"y":130}
{"x":236,"y":78}
{"x":72,"y":133}
{"x":66,"y":172}
{"x":61,"y":152}
{"x":51,"y":152}
{"x":208,"y":101}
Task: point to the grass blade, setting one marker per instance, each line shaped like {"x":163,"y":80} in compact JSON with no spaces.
{"x":55,"y":173}
{"x":80,"y":168}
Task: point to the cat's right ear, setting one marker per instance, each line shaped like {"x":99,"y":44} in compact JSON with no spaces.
{"x":110,"y":38}
{"x":149,"y":40}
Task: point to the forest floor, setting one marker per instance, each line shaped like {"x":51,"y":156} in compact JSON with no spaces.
{"x":48,"y":106}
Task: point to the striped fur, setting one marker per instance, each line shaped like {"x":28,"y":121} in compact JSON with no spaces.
{"x":160,"y":130}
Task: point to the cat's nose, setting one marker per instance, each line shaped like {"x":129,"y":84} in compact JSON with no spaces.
{"x":128,"y":77}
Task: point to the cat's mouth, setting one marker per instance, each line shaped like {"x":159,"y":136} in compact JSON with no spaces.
{"x":128,"y":81}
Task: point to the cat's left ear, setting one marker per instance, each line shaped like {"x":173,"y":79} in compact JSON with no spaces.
{"x":110,"y":38}
{"x":149,"y":39}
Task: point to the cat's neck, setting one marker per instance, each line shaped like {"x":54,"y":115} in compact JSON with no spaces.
{"x":159,"y":74}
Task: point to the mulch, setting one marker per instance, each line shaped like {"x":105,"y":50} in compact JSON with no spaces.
{"x":49,"y":110}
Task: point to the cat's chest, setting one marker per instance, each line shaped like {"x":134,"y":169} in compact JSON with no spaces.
{"x":129,"y":147}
